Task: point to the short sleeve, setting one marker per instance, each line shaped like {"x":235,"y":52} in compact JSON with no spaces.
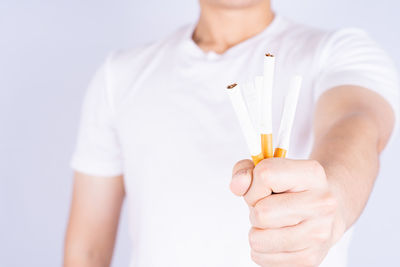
{"x":97,"y":150}
{"x":351,"y":57}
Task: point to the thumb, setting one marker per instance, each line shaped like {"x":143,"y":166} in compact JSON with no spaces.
{"x":242,"y":176}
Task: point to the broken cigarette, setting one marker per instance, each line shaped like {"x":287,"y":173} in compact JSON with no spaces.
{"x":251,"y":136}
{"x":288,"y":115}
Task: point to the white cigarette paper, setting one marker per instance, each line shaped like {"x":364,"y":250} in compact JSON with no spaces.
{"x":266,"y":95}
{"x":289,"y":112}
{"x":259,"y":87}
{"x":251,"y":136}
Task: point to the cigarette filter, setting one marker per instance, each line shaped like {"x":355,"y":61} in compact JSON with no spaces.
{"x":248,"y":129}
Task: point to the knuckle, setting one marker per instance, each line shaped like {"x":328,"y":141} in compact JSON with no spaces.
{"x":264,"y":173}
{"x":322,"y":236}
{"x":254,"y":241}
{"x":258,"y":172}
{"x":256,"y":216}
{"x":330,"y":203}
{"x":317,"y":168}
{"x":262,"y":215}
{"x":256,"y":257}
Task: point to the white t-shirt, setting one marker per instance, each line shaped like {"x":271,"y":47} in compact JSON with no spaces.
{"x":160,"y":115}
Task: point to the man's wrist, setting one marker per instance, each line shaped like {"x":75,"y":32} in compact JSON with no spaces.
{"x":342,"y":222}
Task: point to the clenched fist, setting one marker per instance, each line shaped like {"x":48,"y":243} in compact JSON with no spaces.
{"x":295,"y":215}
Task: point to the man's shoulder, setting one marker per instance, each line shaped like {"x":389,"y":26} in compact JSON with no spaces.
{"x":125,"y":68}
{"x":319,"y":42}
{"x":301,"y":32}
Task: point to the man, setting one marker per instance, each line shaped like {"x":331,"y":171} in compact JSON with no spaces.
{"x":158,"y":128}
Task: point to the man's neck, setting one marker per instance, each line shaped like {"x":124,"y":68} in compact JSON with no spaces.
{"x":220,"y":28}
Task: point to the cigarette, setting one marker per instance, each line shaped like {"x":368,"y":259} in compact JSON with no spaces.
{"x":258,"y":82}
{"x":248,"y":129}
{"x":266,"y":106}
{"x":288,"y":115}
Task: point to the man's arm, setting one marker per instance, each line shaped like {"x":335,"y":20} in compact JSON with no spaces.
{"x":93,"y":222}
{"x":352,"y":126}
{"x":317,"y":199}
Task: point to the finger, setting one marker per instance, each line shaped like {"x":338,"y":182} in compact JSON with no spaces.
{"x":286,"y":239}
{"x":278,"y":175}
{"x":288,"y":209}
{"x":306,"y":257}
{"x":241,"y":177}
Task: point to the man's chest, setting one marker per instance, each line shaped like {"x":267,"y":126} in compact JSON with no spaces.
{"x":184,"y":123}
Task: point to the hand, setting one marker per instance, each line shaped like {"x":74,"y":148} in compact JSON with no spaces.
{"x":296,"y":218}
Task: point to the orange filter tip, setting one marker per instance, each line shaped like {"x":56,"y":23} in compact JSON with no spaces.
{"x":266,"y":144}
{"x":280,"y":153}
{"x":257,"y":159}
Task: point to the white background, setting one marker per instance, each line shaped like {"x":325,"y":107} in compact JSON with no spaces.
{"x":48,"y":52}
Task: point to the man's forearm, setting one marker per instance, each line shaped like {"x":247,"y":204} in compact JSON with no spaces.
{"x":85,"y":255}
{"x":84,"y":262}
{"x":349,"y":153}
{"x":93,"y":222}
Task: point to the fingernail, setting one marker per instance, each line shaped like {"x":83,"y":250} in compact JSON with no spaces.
{"x":239,"y":173}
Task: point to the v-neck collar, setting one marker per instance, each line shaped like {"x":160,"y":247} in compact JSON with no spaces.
{"x":196,"y":51}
